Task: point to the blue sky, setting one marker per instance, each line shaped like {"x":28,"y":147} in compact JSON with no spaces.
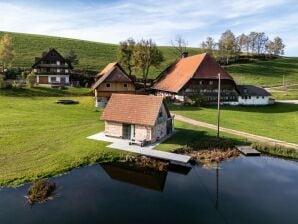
{"x":116,"y":20}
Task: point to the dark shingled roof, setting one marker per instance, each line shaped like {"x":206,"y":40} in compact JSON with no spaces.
{"x":250,"y":90}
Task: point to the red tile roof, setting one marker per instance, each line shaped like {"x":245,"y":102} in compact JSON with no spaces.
{"x":133,"y":109}
{"x":201,"y":66}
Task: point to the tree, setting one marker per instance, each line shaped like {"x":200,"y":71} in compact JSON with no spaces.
{"x":209,"y":45}
{"x":243,"y":43}
{"x":6,"y":51}
{"x":227,"y":45}
{"x":278,"y":46}
{"x":180,"y":45}
{"x":261,"y":40}
{"x":146,"y":54}
{"x":125,"y":54}
{"x":30,"y":79}
{"x":72,"y":57}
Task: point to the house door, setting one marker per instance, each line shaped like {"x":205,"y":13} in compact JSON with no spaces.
{"x":126,"y":131}
{"x":62,"y":80}
{"x":169,"y":126}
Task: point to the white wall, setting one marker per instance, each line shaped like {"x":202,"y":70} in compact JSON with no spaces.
{"x":254,"y":100}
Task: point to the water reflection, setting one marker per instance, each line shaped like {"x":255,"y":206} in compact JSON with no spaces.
{"x":142,"y":177}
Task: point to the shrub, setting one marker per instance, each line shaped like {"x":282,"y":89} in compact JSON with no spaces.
{"x":30,"y":79}
{"x":40,"y":191}
{"x":212,"y":143}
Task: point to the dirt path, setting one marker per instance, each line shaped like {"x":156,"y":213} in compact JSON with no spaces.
{"x":235,"y":132}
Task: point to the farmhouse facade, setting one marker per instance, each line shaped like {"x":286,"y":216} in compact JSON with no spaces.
{"x":52,"y":68}
{"x":253,"y":95}
{"x":137,"y":117}
{"x":196,"y":76}
{"x":112,"y":79}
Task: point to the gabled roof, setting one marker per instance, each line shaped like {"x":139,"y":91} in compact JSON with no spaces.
{"x":45,"y":55}
{"x":251,"y":90}
{"x":107,"y":74}
{"x":133,"y":109}
{"x":200,"y":66}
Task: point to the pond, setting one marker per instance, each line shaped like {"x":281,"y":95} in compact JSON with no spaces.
{"x":244,"y":190}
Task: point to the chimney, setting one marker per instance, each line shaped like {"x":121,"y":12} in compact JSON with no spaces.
{"x":184,"y":54}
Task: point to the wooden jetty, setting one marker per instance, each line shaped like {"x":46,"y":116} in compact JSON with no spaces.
{"x":248,"y":150}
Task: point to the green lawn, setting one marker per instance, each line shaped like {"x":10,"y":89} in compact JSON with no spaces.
{"x":279,"y":121}
{"x":39,"y":138}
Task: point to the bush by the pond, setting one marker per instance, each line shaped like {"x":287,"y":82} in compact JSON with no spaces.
{"x":275,"y":150}
{"x":40,"y":191}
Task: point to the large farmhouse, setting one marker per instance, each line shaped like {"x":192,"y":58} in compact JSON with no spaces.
{"x":112,"y":79}
{"x":52,"y":68}
{"x":137,"y":117}
{"x":196,"y":75}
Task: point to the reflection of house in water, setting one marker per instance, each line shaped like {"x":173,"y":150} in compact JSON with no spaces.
{"x":142,"y":177}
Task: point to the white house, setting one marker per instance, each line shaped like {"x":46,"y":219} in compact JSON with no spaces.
{"x":253,"y":95}
{"x":52,"y":68}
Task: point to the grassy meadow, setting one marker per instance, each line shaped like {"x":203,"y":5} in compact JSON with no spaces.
{"x":278,"y":121}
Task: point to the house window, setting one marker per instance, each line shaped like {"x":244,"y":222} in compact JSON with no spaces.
{"x":125,"y":85}
{"x":201,"y":82}
{"x":160,"y":114}
{"x":108,"y":85}
{"x":210,"y":82}
{"x":53,"y":79}
{"x":249,"y":97}
{"x":263,"y":97}
{"x":257,"y":97}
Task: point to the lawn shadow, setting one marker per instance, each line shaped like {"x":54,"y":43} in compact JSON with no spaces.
{"x":37,"y":91}
{"x":275,"y":108}
{"x":185,"y":136}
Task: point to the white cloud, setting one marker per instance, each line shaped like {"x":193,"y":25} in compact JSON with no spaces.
{"x":159,"y":20}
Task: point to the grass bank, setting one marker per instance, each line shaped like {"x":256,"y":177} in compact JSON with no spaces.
{"x":276,"y":150}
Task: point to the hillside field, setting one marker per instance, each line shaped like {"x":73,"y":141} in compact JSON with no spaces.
{"x":95,"y":55}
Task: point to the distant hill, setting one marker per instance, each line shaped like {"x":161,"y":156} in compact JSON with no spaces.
{"x":92,"y":55}
{"x":95,"y":55}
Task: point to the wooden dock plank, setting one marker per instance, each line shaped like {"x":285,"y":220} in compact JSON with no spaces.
{"x":248,"y":150}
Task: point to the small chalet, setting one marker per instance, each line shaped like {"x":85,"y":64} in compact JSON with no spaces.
{"x":137,"y":117}
{"x":52,"y":68}
{"x":253,"y":95}
{"x":195,"y":75}
{"x":112,"y":79}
